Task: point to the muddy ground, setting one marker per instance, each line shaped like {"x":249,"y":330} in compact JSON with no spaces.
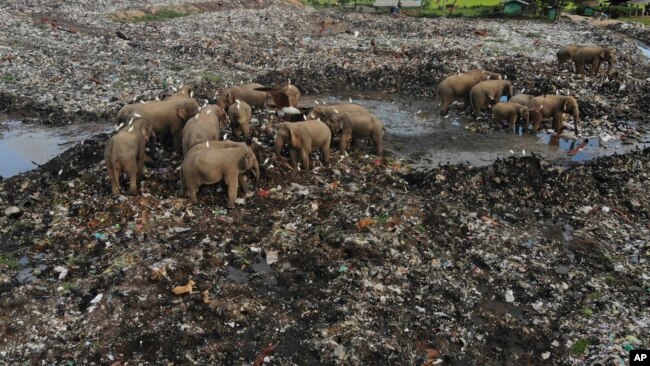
{"x":522,"y":262}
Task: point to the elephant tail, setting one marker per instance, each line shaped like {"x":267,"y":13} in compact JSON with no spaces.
{"x":471,"y":102}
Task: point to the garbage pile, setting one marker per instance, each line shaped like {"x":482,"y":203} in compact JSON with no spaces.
{"x":633,"y":29}
{"x":523,"y":261}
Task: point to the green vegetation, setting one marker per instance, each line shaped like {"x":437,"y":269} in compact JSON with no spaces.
{"x":587,"y":312}
{"x":580,"y":347}
{"x":434,"y":8}
{"x":11,"y":263}
{"x":8,"y":78}
{"x":642,"y":20}
{"x":210,"y":77}
{"x":160,"y":16}
{"x":383,"y":218}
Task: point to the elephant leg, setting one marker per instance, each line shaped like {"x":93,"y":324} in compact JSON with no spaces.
{"x":466,"y":103}
{"x":242,"y":183}
{"x":342,"y":143}
{"x":152,"y":147}
{"x":236,"y":132}
{"x":513,"y":123}
{"x":232,"y":183}
{"x":131,"y":171}
{"x":377,"y":140}
{"x":537,"y":120}
{"x":304,"y":155}
{"x":245,"y":132}
{"x":192,"y":189}
{"x":596,"y":66}
{"x":178,"y":140}
{"x":578,"y":66}
{"x":293,"y":156}
{"x":476,"y":106}
{"x":557,"y":122}
{"x":114,"y":174}
{"x":325,"y":150}
{"x":444,"y":105}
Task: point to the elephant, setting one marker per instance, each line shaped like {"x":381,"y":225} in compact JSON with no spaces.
{"x":511,"y":112}
{"x":183,"y":91}
{"x":211,"y":165}
{"x":240,"y":114}
{"x":521,"y":99}
{"x":487,"y":92}
{"x":553,"y":106}
{"x":204,"y":126}
{"x":358,"y":125}
{"x":304,"y":137}
{"x":326,"y":113}
{"x":459,"y":86}
{"x":124,"y":152}
{"x":292,"y":93}
{"x":167,"y":117}
{"x":594,"y":56}
{"x":567,"y":53}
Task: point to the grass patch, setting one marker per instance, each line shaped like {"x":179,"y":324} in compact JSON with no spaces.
{"x":587,"y":312}
{"x":11,"y":263}
{"x":580,"y":347}
{"x":642,"y":20}
{"x":211,"y":77}
{"x":160,"y":16}
{"x":382,"y":219}
{"x":8,"y":78}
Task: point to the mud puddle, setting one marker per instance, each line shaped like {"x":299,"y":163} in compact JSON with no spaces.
{"x":22,"y":146}
{"x":416,"y":131}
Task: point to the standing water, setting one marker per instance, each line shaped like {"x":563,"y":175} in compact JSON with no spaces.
{"x":416,"y":131}
{"x":23,"y":146}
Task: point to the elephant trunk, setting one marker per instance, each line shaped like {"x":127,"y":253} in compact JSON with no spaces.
{"x":279,"y":143}
{"x":576,"y":119}
{"x":256,"y":171}
{"x":152,"y":145}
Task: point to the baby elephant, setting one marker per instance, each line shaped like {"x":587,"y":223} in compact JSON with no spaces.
{"x":459,"y":86}
{"x":488,"y":91}
{"x":594,"y":56}
{"x":553,"y":106}
{"x":326,"y":113}
{"x":511,"y":112}
{"x":304,"y":137}
{"x":358,"y":125}
{"x":124,"y":152}
{"x":240,"y":114}
{"x":211,"y":165}
{"x":521,"y":99}
{"x":567,"y":53}
{"x":203,"y":127}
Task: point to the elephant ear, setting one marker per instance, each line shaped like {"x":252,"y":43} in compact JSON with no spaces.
{"x":296,"y":137}
{"x":183,"y":112}
{"x":242,"y":161}
{"x":602,"y":54}
{"x":280,"y":99}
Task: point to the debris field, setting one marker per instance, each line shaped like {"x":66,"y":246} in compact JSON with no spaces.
{"x":522,"y":262}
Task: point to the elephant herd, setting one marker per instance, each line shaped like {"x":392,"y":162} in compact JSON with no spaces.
{"x":480,"y":89}
{"x":196,"y":131}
